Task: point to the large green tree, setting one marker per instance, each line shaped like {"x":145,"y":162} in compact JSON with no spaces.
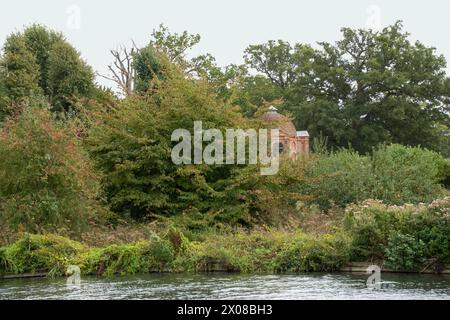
{"x":132,"y":146}
{"x":369,"y":87}
{"x":147,"y":65}
{"x":39,"y":60}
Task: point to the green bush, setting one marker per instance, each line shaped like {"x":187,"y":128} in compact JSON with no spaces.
{"x":404,"y":252}
{"x":370,"y":224}
{"x":395,"y":174}
{"x":377,"y":229}
{"x":53,"y":254}
{"x":266,"y":252}
{"x":36,"y":253}
{"x":159,"y":254}
{"x":342,"y":177}
{"x":117,"y":259}
{"x":152,"y":255}
{"x":406,"y":174}
{"x":325,"y":253}
{"x":46,"y":180}
{"x":132,"y":147}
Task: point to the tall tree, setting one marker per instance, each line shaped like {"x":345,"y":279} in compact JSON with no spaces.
{"x":68,"y":77}
{"x":275,"y":59}
{"x":368,"y":88}
{"x":174,"y":45}
{"x":42,"y":59}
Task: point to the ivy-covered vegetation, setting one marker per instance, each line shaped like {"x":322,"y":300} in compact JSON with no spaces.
{"x":265,"y":252}
{"x":407,"y":238}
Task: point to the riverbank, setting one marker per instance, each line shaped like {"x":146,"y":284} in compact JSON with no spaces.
{"x":352,"y":267}
{"x":408,"y":238}
{"x":257,"y":252}
{"x":262,"y":252}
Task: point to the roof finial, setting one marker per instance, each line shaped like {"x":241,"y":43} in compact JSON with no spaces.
{"x":273,"y":109}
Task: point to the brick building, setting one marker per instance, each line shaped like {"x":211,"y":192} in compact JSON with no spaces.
{"x":292,"y":141}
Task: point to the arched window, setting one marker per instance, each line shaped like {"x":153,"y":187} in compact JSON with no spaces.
{"x":281,"y":147}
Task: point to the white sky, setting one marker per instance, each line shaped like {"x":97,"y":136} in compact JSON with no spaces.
{"x":227,"y":27}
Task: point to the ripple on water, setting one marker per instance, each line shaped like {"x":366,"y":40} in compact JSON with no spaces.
{"x":232,"y":286}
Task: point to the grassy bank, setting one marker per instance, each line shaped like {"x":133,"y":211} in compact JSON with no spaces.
{"x":265,"y":252}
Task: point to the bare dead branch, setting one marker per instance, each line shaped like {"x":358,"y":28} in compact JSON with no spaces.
{"x":121,"y":69}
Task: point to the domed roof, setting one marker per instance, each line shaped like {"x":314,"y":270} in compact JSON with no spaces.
{"x":285,"y":125}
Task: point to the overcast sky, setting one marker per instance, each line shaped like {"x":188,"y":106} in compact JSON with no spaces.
{"x":227,"y":27}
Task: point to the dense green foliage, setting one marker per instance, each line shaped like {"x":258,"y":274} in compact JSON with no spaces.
{"x":41,"y":61}
{"x":342,"y":177}
{"x":368,"y":88}
{"x":406,"y":174}
{"x":46,"y":179}
{"x":256,"y":252}
{"x":34,"y":253}
{"x":19,"y":75}
{"x":132,"y":146}
{"x":395,"y":174}
{"x":404,"y":252}
{"x":405,"y":235}
{"x":71,"y":152}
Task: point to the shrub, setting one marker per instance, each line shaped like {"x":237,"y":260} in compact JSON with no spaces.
{"x":406,"y":174}
{"x":394,"y":174}
{"x":404,"y":252}
{"x":36,"y":253}
{"x":374,"y":227}
{"x":341,"y":178}
{"x":370,"y":224}
{"x":116,"y":259}
{"x":132,"y":147}
{"x":323,"y":253}
{"x":46,"y":180}
{"x":266,"y":251}
{"x":160,"y":254}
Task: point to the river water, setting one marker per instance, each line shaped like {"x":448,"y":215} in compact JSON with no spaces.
{"x":232,"y":286}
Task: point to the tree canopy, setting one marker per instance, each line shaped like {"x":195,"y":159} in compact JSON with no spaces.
{"x":367,"y":88}
{"x":41,"y":61}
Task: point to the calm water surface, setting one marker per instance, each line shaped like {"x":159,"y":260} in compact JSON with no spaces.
{"x":232,"y":286}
